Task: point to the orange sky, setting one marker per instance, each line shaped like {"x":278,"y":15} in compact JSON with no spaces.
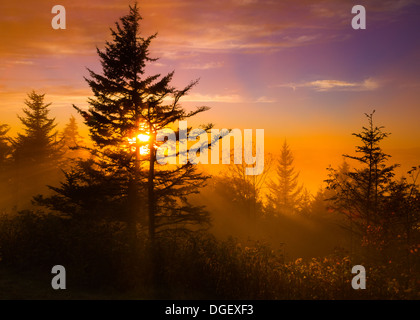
{"x":293,"y":68}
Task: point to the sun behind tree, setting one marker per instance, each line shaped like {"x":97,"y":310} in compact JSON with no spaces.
{"x":127,"y":110}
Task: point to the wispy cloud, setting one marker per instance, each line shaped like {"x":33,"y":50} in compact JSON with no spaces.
{"x":203,"y":66}
{"x":265,"y":99}
{"x":197,"y":97}
{"x":245,"y":25}
{"x":335,"y":85}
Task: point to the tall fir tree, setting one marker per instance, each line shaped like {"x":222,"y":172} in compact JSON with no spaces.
{"x":363,"y":193}
{"x":126,"y":112}
{"x":36,"y":152}
{"x":285,"y":192}
{"x":71,"y":140}
{"x":39,"y":143}
{"x":128,"y":104}
{"x":70,"y":136}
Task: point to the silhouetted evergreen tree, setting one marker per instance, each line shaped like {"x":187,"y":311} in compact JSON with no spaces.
{"x":126,"y":104}
{"x":399,"y":229}
{"x":37,"y":151}
{"x":127,"y":110}
{"x":73,"y":143}
{"x":70,"y":136}
{"x":305,"y":201}
{"x":285,"y":192}
{"x":360,"y":192}
{"x":39,"y":143}
{"x":369,"y":195}
{"x":89,"y":192}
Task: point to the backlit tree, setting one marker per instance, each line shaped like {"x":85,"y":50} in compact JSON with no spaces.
{"x":127,"y":110}
{"x":285,"y":192}
{"x":37,"y":151}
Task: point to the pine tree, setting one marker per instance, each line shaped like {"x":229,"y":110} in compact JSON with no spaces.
{"x":71,"y":140}
{"x":89,"y":193}
{"x":285,"y":193}
{"x":126,"y":112}
{"x":36,"y":152}
{"x":70,"y":135}
{"x":39,"y":144}
{"x":361,"y":193}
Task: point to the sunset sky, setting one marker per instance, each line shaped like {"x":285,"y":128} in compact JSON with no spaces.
{"x":296,"y":69}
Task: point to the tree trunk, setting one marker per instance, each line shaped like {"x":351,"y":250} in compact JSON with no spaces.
{"x":133,"y":197}
{"x":156,"y":265}
{"x":151,"y":191}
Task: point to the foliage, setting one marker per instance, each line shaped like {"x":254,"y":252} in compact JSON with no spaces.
{"x":193,"y":265}
{"x":96,"y":254}
{"x":88,"y":192}
{"x":120,"y":222}
{"x":362,"y":192}
{"x":381,"y":211}
{"x":246,"y":192}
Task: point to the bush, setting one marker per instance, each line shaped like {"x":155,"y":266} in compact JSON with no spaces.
{"x":95,"y":254}
{"x":102,"y":255}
